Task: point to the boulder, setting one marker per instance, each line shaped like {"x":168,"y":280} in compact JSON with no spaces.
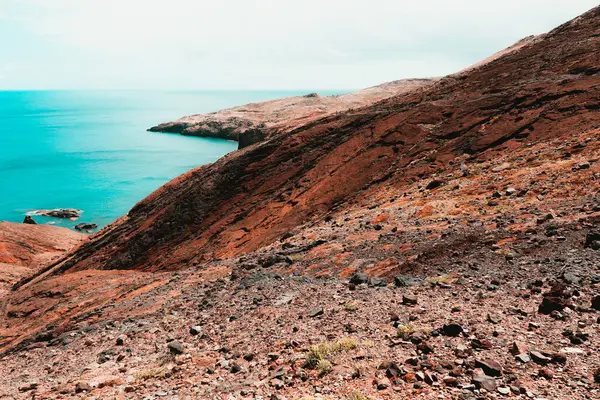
{"x":84,"y":226}
{"x":175,"y":348}
{"x":592,"y":239}
{"x":29,"y":220}
{"x":489,"y":367}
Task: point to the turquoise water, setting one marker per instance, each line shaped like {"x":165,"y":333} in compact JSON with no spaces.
{"x":91,"y":151}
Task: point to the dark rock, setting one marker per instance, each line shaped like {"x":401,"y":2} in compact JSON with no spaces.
{"x":557,"y":299}
{"x":406,"y":281}
{"x":482,"y":344}
{"x":315,"y":312}
{"x":425,"y":348}
{"x":28,"y":387}
{"x":378,"y":282}
{"x":29,"y":220}
{"x":272,"y":259}
{"x":359,"y":278}
{"x":540,"y":358}
{"x":393,"y":370}
{"x":489,"y":367}
{"x":250,"y":137}
{"x":452,"y":330}
{"x":105,"y":356}
{"x":175,"y":347}
{"x":383,"y":384}
{"x":85,"y":226}
{"x":121,"y":339}
{"x":450,"y":381}
{"x":592,"y":239}
{"x":235,"y":368}
{"x":434,"y":184}
{"x":596,"y":302}
{"x":66,"y":213}
{"x":82,"y":387}
{"x":276,"y":383}
{"x":195,"y":330}
{"x":409,"y":300}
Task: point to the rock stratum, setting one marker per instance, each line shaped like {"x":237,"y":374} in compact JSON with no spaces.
{"x":440,"y":243}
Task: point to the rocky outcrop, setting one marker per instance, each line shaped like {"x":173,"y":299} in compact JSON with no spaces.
{"x":29,"y":220}
{"x":253,"y":123}
{"x":85,"y":226}
{"x":65,"y":213}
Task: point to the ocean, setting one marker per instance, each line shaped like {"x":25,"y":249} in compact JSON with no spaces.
{"x":91,"y":150}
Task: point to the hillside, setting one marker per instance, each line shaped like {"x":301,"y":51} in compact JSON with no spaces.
{"x":24,"y":247}
{"x":441,"y":243}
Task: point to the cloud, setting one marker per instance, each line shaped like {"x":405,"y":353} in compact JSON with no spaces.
{"x":265,"y":43}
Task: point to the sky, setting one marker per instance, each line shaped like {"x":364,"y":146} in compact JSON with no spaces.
{"x":257,"y":44}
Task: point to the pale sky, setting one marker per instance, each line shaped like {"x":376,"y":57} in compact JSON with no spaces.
{"x":257,"y":44}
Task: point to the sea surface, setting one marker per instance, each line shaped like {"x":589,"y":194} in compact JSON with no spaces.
{"x":91,"y":150}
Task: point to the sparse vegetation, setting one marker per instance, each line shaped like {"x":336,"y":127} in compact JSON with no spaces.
{"x":319,"y":355}
{"x":357,"y":396}
{"x":154,"y":373}
{"x":446,"y":278}
{"x":405,"y":331}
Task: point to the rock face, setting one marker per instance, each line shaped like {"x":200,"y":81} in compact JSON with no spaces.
{"x":253,"y":123}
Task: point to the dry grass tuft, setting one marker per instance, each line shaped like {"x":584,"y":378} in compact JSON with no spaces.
{"x":153,"y":373}
{"x":319,"y":355}
{"x":357,"y":396}
{"x":405,"y":331}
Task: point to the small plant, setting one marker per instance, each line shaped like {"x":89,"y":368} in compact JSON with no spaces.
{"x":323,"y":366}
{"x":319,"y":355}
{"x":405,"y":331}
{"x":446,"y":278}
{"x":357,"y":396}
{"x":347,"y":344}
{"x":153,"y":373}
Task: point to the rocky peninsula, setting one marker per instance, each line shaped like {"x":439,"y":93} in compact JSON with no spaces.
{"x":256,"y":122}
